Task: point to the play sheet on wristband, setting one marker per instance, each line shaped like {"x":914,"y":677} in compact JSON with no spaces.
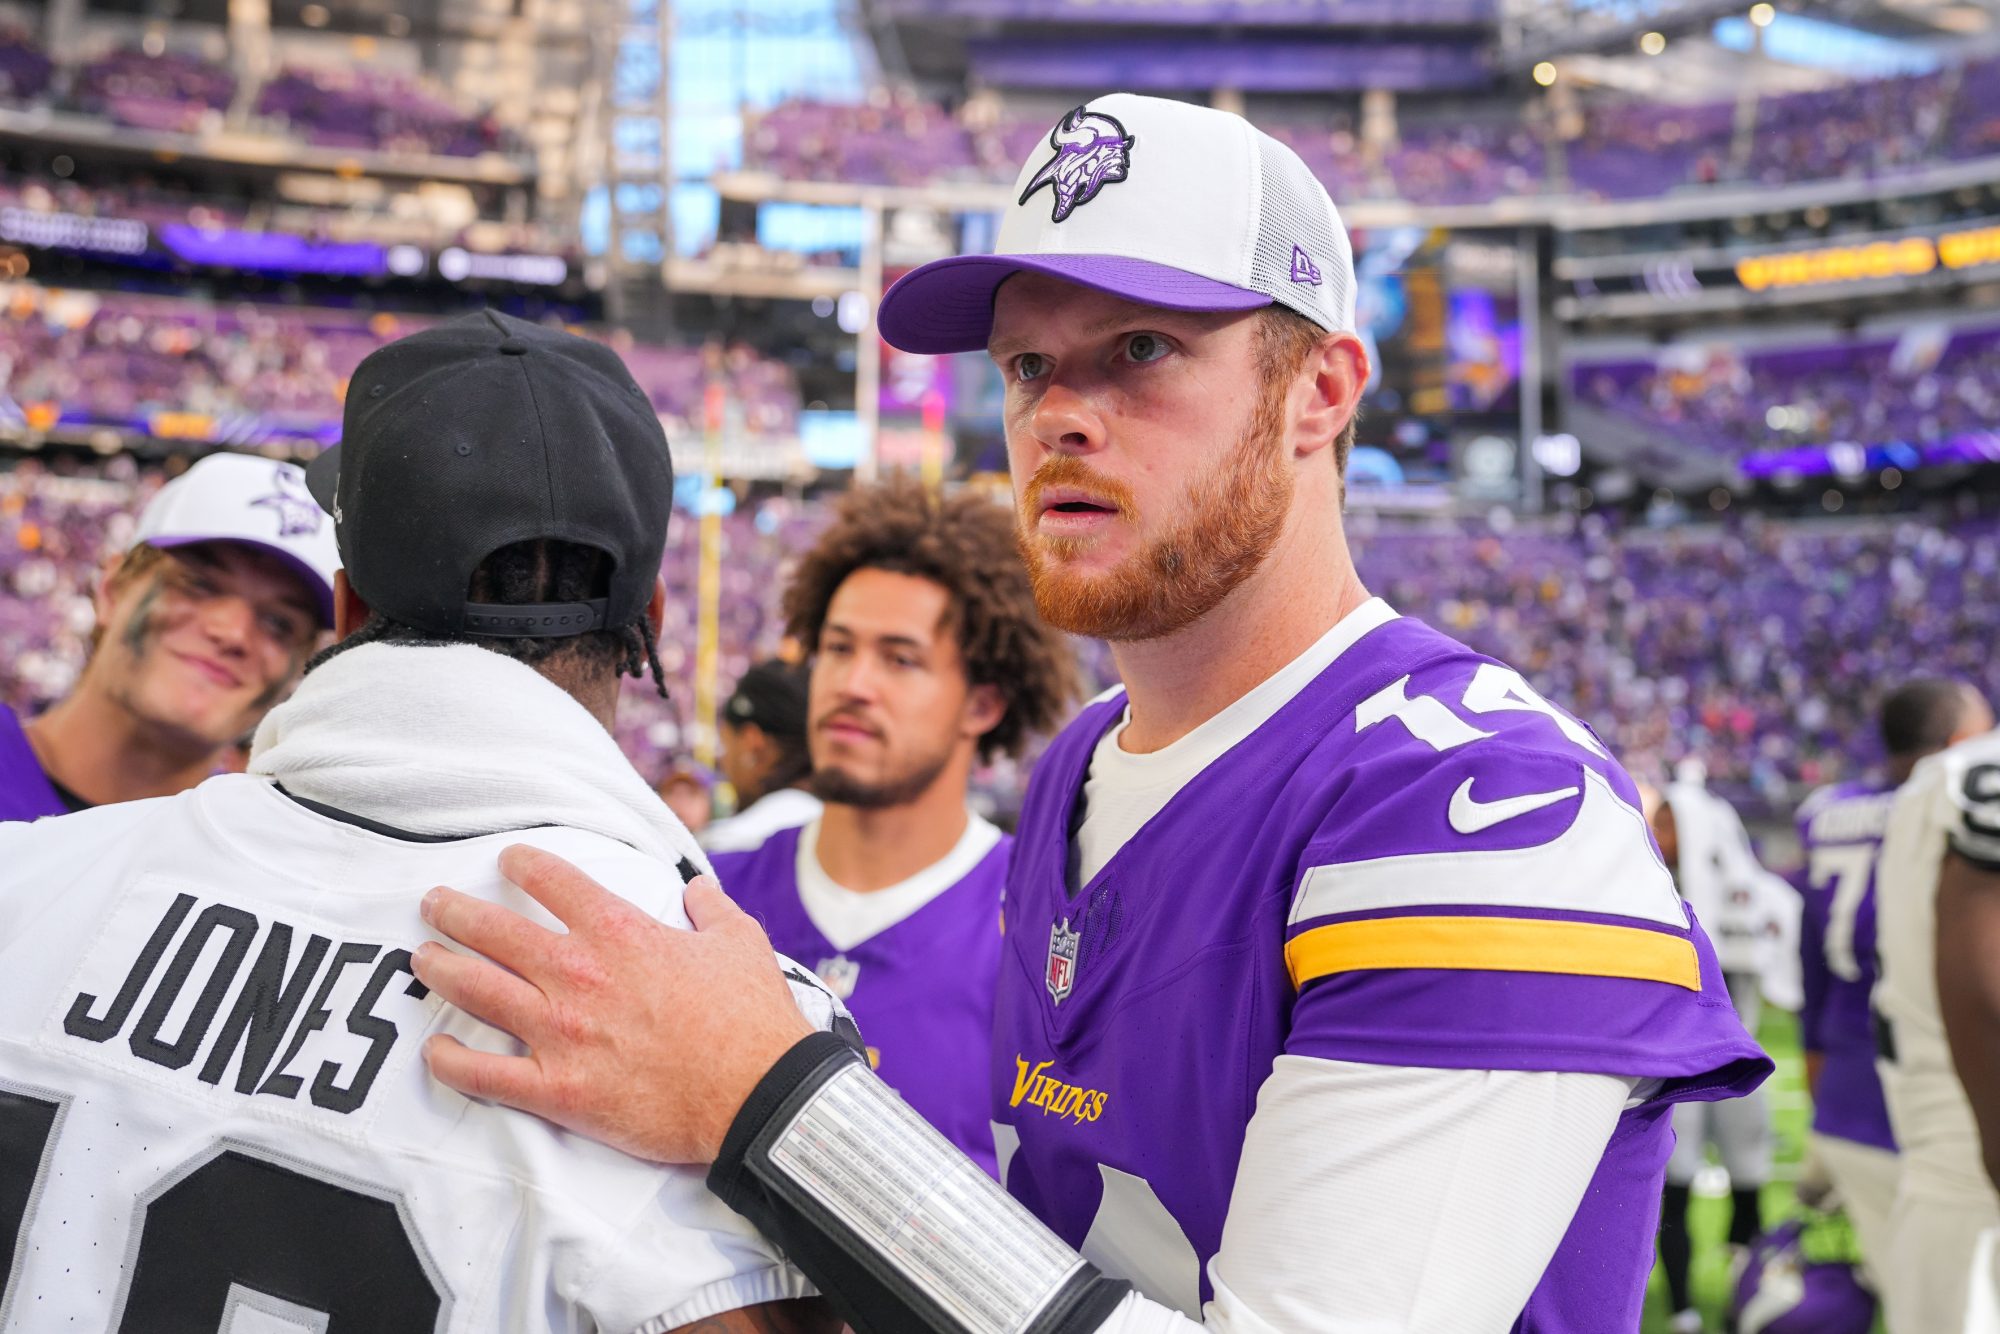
{"x":966,"y":1244}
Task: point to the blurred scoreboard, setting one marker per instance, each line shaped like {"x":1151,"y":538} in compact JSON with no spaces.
{"x":1441,"y":313}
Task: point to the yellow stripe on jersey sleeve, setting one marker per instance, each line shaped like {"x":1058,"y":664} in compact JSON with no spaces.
{"x":1497,"y":944}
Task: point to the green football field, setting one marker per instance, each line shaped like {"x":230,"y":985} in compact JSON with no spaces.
{"x":1709,"y":1215}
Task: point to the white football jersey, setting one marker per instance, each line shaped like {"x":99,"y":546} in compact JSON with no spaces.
{"x":1927,"y":1105}
{"x":1752,"y":916}
{"x":214,"y":1114}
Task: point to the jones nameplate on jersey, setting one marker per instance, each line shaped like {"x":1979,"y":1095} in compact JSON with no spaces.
{"x":225,"y":1001}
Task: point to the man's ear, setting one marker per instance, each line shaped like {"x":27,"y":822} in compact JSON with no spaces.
{"x":984,"y":710}
{"x":350,"y":613}
{"x":656,"y":609}
{"x":759,"y":746}
{"x":1336,"y":373}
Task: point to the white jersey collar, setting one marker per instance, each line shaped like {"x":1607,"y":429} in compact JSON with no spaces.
{"x":847,"y":917}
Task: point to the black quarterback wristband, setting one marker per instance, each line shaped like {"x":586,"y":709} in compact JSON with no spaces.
{"x":900,"y":1231}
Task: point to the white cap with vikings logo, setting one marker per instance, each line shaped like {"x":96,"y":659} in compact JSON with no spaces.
{"x":1160,"y":202}
{"x":256,"y":501}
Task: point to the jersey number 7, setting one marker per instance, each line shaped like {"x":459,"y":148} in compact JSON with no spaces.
{"x":1847,"y":869}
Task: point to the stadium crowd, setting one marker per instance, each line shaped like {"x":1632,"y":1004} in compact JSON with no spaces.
{"x":355,"y":107}
{"x":104,"y":358}
{"x":184,"y":92}
{"x":1729,"y":644}
{"x":170,"y":91}
{"x":1926,"y":386}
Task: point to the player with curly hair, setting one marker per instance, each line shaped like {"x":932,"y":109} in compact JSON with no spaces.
{"x":926,"y":655}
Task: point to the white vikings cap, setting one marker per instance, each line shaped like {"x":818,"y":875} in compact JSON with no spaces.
{"x":1160,"y":202}
{"x":257,"y":501}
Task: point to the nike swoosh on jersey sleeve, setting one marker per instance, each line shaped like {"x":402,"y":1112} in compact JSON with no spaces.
{"x":1468,"y":815}
{"x":1602,"y":863}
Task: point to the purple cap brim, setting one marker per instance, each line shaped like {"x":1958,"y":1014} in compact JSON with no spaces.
{"x":322,"y":591}
{"x":947,"y":305}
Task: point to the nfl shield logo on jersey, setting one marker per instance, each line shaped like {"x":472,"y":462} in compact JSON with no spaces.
{"x":1062,"y":960}
{"x":840,"y":973}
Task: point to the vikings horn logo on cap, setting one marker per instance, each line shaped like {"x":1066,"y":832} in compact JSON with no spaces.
{"x":298,"y":513}
{"x":1092,"y":151}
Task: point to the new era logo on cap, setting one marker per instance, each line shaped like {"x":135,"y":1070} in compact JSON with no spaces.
{"x":1303,"y":268}
{"x":1160,"y":202}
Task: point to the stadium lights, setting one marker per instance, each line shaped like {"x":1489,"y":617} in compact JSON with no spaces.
{"x":1545,"y":73}
{"x":851,"y":312}
{"x":1762,"y":14}
{"x":456,"y":264}
{"x":1559,"y":455}
{"x":1653,"y":43}
{"x":73,"y":231}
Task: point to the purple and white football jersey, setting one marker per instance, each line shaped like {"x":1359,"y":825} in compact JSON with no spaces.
{"x":1416,"y":861}
{"x":25,"y":790}
{"x":1841,"y":829}
{"x":921,"y":990}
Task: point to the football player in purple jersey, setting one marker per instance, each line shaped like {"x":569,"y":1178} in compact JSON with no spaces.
{"x":203,"y":624}
{"x":1840,"y":830}
{"x":1328,"y":941}
{"x":927,"y":655}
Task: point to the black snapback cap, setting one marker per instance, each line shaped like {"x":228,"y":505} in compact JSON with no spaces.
{"x":772,"y":695}
{"x":482,"y":432}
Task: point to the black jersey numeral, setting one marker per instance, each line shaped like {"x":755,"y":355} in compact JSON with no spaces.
{"x":1982,"y":799}
{"x":27,"y":1128}
{"x":234,"y":1219}
{"x":246,"y":1220}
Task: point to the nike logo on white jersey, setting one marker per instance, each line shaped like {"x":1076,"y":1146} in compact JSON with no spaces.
{"x":1469,"y":817}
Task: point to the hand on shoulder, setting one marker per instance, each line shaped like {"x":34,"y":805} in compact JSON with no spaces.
{"x":639,"y":1034}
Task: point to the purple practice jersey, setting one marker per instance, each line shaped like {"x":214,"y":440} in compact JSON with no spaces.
{"x":1416,"y":861}
{"x":921,"y":990}
{"x":25,"y":791}
{"x":1841,"y":827}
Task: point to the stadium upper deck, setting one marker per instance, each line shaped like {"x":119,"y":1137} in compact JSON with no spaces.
{"x":1875,"y":130}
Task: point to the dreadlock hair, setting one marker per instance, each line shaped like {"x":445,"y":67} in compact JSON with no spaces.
{"x":541,"y":570}
{"x":965,"y":544}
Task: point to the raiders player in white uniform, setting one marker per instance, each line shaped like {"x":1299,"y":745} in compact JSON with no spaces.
{"x":212,"y":1114}
{"x":1940,"y":860}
